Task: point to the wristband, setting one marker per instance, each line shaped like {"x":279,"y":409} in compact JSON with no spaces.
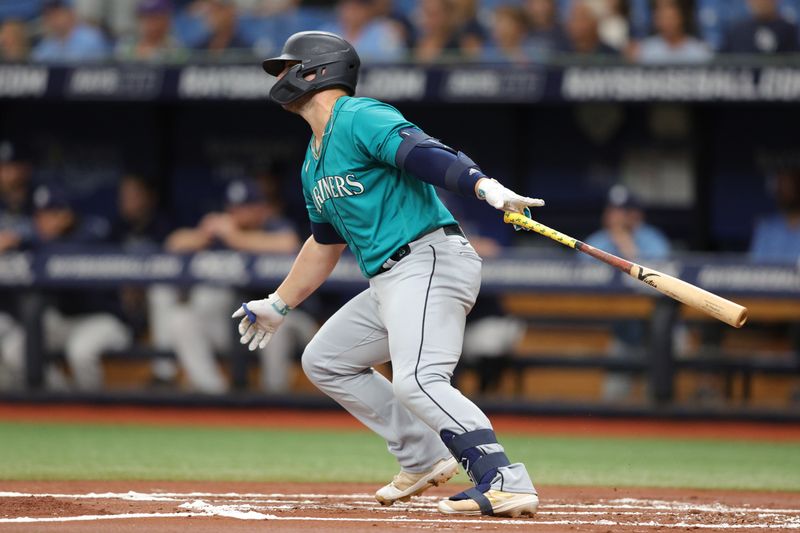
{"x":279,"y":305}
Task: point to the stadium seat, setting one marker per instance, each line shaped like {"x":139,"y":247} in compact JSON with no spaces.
{"x":309,"y":18}
{"x":253,"y":28}
{"x":19,"y":9}
{"x":273,"y":31}
{"x":406,"y":7}
{"x":709,"y":22}
{"x":790,"y":9}
{"x":189,"y":29}
{"x":640,"y":19}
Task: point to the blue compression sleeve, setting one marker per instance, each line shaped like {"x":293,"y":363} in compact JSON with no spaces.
{"x":436,"y":163}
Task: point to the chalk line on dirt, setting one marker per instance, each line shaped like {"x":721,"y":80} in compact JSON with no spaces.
{"x":254,"y":506}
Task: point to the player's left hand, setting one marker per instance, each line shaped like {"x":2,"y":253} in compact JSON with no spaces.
{"x":503,"y":198}
{"x":260,"y":320}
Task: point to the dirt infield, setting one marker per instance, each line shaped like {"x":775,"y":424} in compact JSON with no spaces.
{"x":161,"y":507}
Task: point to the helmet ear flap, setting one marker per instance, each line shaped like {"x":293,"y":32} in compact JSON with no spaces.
{"x":290,"y":87}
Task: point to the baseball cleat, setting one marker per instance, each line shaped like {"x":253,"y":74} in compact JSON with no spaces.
{"x":405,"y":484}
{"x":508,"y":504}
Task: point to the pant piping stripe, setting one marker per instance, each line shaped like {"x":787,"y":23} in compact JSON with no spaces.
{"x":422,"y":341}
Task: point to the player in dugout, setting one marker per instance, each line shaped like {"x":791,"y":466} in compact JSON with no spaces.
{"x":368,"y":179}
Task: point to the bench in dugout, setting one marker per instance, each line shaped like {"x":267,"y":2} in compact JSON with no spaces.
{"x":662,"y":361}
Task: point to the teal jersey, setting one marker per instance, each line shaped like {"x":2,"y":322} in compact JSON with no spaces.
{"x":354,"y":185}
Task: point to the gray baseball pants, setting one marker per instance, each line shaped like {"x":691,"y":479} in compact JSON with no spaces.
{"x":413,"y":315}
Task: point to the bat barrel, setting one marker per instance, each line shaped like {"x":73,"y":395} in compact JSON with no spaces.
{"x":716,"y":306}
{"x":725,"y":310}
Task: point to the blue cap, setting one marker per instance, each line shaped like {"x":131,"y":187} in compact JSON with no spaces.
{"x":621,"y":196}
{"x":154,"y":7}
{"x":50,"y":197}
{"x":244,"y":191}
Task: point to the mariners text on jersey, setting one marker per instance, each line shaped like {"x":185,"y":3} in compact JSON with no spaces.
{"x":335,"y":187}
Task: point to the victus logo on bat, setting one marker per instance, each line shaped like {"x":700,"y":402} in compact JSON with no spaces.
{"x":647,"y":277}
{"x":335,"y":187}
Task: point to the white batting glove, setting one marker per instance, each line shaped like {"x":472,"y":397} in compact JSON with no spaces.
{"x":503,"y":198}
{"x":260,"y":320}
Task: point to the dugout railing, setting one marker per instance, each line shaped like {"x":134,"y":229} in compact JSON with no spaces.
{"x":658,"y":360}
{"x":579,"y":294}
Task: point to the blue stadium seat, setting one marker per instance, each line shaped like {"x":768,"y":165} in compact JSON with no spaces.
{"x":190,"y":30}
{"x":271,"y":32}
{"x":492,"y":4}
{"x":710,"y":25}
{"x":563,"y":8}
{"x":310,"y":18}
{"x":406,"y":7}
{"x":253,"y":28}
{"x":640,"y":19}
{"x":19,"y":9}
{"x":790,"y":9}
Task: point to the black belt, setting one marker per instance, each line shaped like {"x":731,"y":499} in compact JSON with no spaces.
{"x":453,"y":229}
{"x":403,"y":251}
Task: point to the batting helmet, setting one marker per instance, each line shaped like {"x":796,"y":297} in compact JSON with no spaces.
{"x":333,"y":60}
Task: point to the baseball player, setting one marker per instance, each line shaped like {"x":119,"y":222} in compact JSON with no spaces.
{"x":368,"y":180}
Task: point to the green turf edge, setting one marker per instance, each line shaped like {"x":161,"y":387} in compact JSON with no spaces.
{"x":55,"y":451}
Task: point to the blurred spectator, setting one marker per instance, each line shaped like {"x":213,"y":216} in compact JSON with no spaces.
{"x":375,"y":38}
{"x":12,"y":344}
{"x":546,"y":34}
{"x":583,"y":35}
{"x":154,"y":40}
{"x":447,"y":29}
{"x":250,"y":223}
{"x":83,"y":324}
{"x":765,"y":32}
{"x":16,"y":228}
{"x":397,"y":18}
{"x":672,"y":44}
{"x":509,"y":31}
{"x":268,"y":8}
{"x":14,"y":41}
{"x":66,"y":38}
{"x":777,"y":237}
{"x":221,"y":17}
{"x":140,"y":228}
{"x":16,"y":207}
{"x":436,"y":31}
{"x":612,"y":25}
{"x":469,"y":33}
{"x":626,"y":234}
{"x":116,"y":18}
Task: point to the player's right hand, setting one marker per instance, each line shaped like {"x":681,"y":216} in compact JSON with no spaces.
{"x":503,"y":198}
{"x":260,"y":320}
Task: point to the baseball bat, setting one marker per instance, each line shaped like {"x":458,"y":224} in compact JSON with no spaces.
{"x":716,"y":306}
